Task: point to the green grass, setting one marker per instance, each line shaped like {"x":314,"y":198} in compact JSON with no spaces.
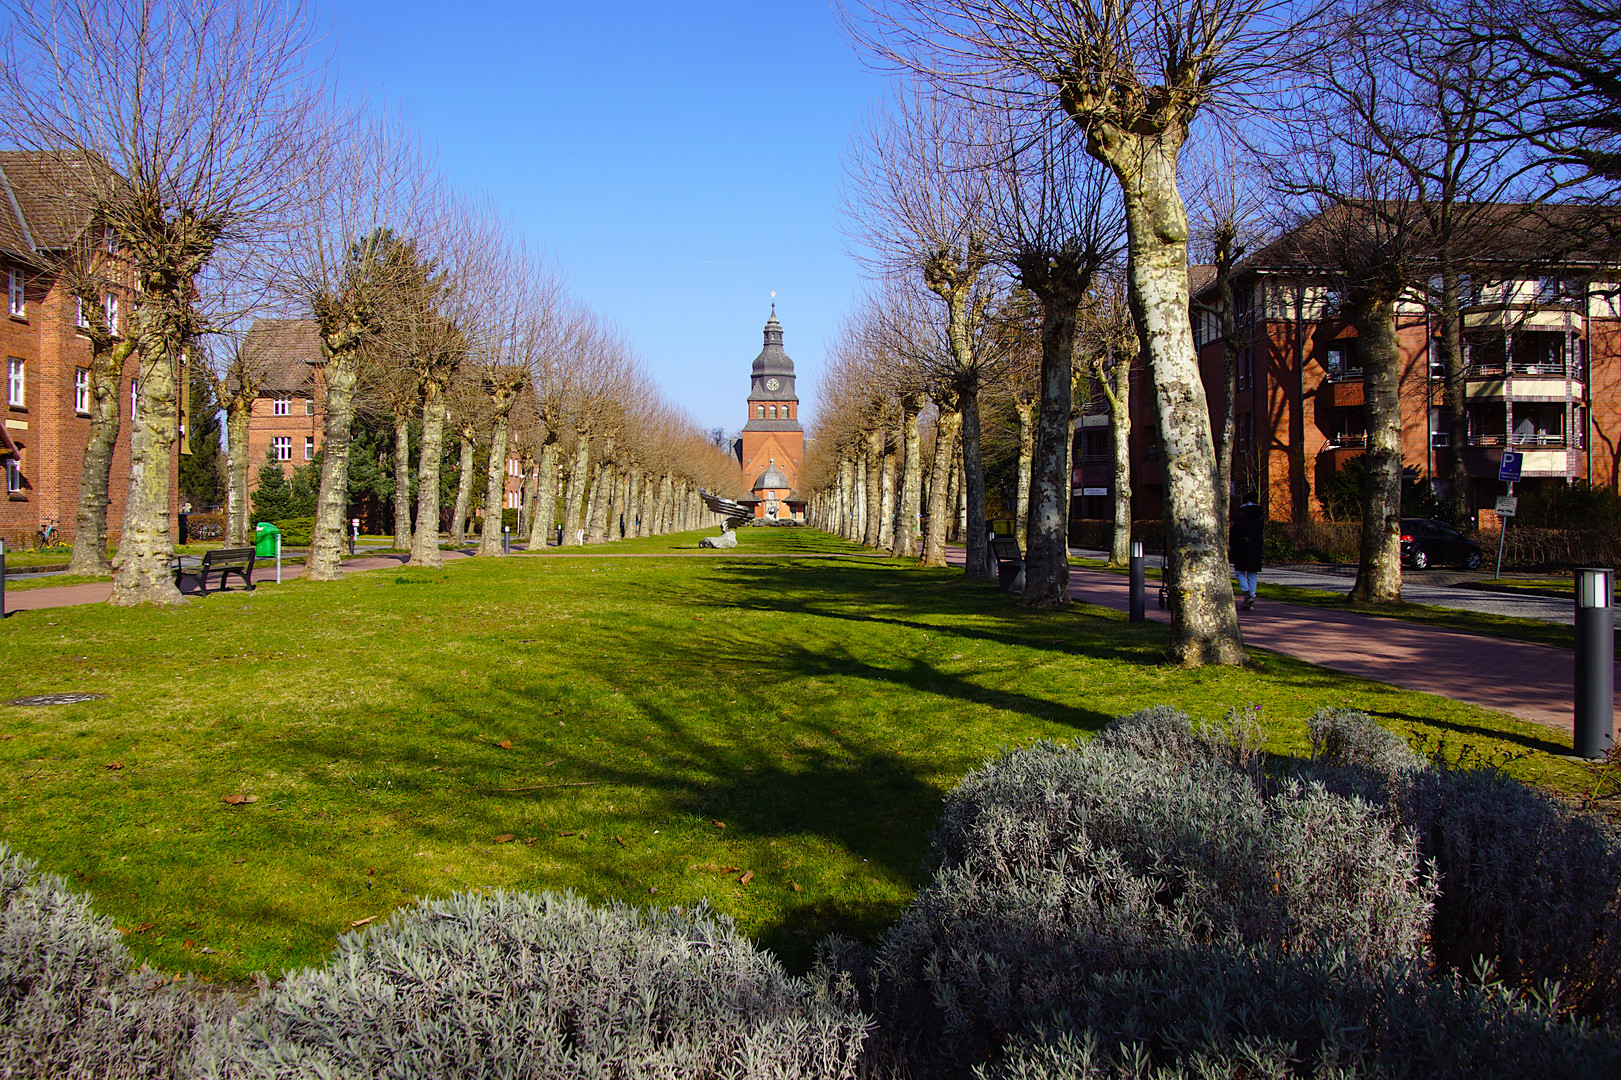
{"x":675,"y":723}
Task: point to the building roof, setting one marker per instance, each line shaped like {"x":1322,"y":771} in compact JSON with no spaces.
{"x":772,"y":360}
{"x":40,"y":208}
{"x":1200,"y":277}
{"x":285,"y":350}
{"x":771,"y":478}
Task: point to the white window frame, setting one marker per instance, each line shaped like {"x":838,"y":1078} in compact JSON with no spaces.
{"x":283,"y":446}
{"x":109,"y":310}
{"x":309,"y":406}
{"x":281,"y":405}
{"x":78,"y":314}
{"x":134,"y":399}
{"x":14,"y":476}
{"x":111,"y":237}
{"x":81,"y":390}
{"x":309,"y":448}
{"x":17,"y":292}
{"x":16,"y":382}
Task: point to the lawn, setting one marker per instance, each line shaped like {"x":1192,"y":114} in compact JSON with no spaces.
{"x":772,"y":736}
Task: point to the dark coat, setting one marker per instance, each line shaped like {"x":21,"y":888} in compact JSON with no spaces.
{"x":1244,"y":545}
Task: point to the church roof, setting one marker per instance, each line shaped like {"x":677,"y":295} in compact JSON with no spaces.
{"x":771,"y":478}
{"x":772,"y":360}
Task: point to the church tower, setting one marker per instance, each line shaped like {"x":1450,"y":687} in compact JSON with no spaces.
{"x":772,"y":439}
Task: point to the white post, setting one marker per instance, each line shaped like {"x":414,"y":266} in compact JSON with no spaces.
{"x":278,"y":558}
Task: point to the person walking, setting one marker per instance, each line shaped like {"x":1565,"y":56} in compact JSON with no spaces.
{"x":1244,"y":547}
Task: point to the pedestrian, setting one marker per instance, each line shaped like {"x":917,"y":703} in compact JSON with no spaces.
{"x":1244,"y":547}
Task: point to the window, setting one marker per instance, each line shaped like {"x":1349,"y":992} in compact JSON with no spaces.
{"x":18,"y":381}
{"x":762,"y":412}
{"x":81,"y":390}
{"x":109,"y":309}
{"x":14,"y":289}
{"x":112,"y":240}
{"x":284,"y":447}
{"x":1246,"y":368}
{"x":773,"y":412}
{"x":134,"y":398}
{"x":281,"y":405}
{"x":79,"y":319}
{"x":14,"y":476}
{"x":309,"y":447}
{"x":309,"y":406}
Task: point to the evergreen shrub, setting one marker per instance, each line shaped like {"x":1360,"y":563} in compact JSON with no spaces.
{"x":205,"y":526}
{"x":508,"y":984}
{"x":71,"y":1006}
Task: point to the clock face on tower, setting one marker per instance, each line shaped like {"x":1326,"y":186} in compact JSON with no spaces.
{"x":772,"y":384}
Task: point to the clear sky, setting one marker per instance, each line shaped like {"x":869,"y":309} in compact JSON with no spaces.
{"x":679,"y":160}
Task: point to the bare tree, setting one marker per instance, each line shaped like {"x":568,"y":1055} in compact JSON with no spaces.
{"x":108,"y":352}
{"x":1108,"y":338}
{"x":187,"y":123}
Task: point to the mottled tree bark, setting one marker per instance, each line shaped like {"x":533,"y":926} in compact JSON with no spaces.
{"x":90,"y":523}
{"x":873,"y":461}
{"x":425,"y":541}
{"x":238,"y":418}
{"x":339,"y":346}
{"x":141,"y":572}
{"x":1204,"y":619}
{"x":886,"y":498}
{"x":1046,"y":559}
{"x":464,"y":490}
{"x":544,"y":514}
{"x":906,"y":532}
{"x":1378,"y":574}
{"x":1462,"y":503}
{"x":596,"y":524}
{"x":402,"y":480}
{"x":490,"y":539}
{"x":578,"y":479}
{"x":1119,"y":395}
{"x":940,"y":510}
{"x":1024,"y":409}
{"x":973,"y":492}
{"x":1226,"y":240}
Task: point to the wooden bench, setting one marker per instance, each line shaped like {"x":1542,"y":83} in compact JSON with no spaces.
{"x":1009,"y":563}
{"x":227,"y":561}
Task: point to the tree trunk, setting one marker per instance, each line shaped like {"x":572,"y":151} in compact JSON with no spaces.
{"x":238,"y":419}
{"x":402,"y":480}
{"x":1462,"y":503}
{"x":1229,"y":380}
{"x":906,"y":530}
{"x":464,"y":490}
{"x":141,"y":573}
{"x":1027,"y":454}
{"x":596,"y":524}
{"x":886,"y":498}
{"x":574,"y":501}
{"x":940,"y":510}
{"x":325,"y":562}
{"x":973,"y":490}
{"x":1378,"y":573}
{"x":544,"y":513}
{"x":1120,"y":429}
{"x":1204,"y":622}
{"x":90,"y":525}
{"x":425,"y":541}
{"x":873,"y":460}
{"x":1046,"y":559}
{"x":491,"y":539}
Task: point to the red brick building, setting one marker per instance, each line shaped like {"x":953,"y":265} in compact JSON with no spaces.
{"x":47,"y":422}
{"x":289,"y":415}
{"x":1543,"y":357}
{"x":772,"y":446}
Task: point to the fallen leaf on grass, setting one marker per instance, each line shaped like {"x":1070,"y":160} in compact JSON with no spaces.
{"x":142,"y":928}
{"x":504,"y":838}
{"x":730,"y":869}
{"x":238,"y":862}
{"x":115,"y":764}
{"x":794,"y":885}
{"x":530,"y":839}
{"x":747,"y":877}
{"x":620,"y":840}
{"x":567,"y":834}
{"x":363,"y":922}
{"x":238,"y":800}
{"x":504,"y":744}
{"x":188,"y":944}
{"x":652,"y":889}
{"x":718,"y":824}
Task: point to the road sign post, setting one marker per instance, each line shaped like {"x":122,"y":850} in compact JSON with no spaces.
{"x":1508,"y":470}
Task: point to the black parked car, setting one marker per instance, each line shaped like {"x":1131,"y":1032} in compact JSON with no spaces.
{"x":1425,"y":542}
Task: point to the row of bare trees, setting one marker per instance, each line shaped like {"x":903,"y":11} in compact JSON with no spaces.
{"x":1036,"y":164}
{"x":207,"y":178}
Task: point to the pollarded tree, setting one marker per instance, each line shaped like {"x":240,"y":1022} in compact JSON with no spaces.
{"x":184,"y":126}
{"x":1107,"y":338}
{"x":108,"y":352}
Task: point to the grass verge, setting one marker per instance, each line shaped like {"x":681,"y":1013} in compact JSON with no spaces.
{"x":773,"y":736}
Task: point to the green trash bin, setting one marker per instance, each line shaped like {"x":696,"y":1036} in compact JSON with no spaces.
{"x":264,"y":540}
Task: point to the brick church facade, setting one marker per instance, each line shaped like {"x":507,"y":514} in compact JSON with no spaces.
{"x":772,"y":444}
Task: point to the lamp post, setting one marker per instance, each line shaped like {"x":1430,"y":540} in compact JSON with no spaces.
{"x":506,"y":539}
{"x":1139,"y":603}
{"x":1595,"y":661}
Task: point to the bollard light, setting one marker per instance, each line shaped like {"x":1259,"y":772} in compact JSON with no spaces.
{"x":1136,"y":549}
{"x":1595,"y":661}
{"x":1139,"y":584}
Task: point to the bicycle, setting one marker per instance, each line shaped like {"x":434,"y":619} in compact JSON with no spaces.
{"x":47,"y":534}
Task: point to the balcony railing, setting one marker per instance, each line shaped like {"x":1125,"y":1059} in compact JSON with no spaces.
{"x":1440,"y":438}
{"x":1348,"y":442}
{"x":1499,"y":370}
{"x":1555,"y":441}
{"x":1348,"y":375}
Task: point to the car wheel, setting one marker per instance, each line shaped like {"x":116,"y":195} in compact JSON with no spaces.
{"x":1421,"y":559}
{"x":1473,"y":561}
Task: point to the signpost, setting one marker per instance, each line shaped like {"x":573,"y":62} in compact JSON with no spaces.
{"x":1507,"y":505}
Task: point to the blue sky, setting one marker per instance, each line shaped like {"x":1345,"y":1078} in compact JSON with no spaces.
{"x":679,"y":160}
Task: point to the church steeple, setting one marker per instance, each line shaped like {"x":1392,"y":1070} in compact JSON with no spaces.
{"x":772,"y":444}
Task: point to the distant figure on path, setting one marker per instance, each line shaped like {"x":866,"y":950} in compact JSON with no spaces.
{"x":1244,"y":548}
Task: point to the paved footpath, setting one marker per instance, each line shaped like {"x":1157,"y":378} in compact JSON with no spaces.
{"x":1532,"y":682}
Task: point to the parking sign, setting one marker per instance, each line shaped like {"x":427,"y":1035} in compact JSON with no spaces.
{"x":1509,"y":470}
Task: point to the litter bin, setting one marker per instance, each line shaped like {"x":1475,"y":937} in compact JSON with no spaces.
{"x":264,"y":540}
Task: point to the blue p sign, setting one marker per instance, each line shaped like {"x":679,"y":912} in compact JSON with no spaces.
{"x":1509,"y":470}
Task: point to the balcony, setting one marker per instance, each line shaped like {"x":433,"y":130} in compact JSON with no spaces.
{"x":1345,"y":375}
{"x":1540,"y":440}
{"x":1348,"y":442}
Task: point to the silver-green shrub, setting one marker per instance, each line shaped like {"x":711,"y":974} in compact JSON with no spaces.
{"x":502,"y":984}
{"x":1059,"y":864}
{"x":1209,"y":1014}
{"x":70,"y":1004}
{"x":1169,"y":734}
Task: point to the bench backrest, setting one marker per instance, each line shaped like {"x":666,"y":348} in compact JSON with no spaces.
{"x":217,"y":556}
{"x":1006,"y":547}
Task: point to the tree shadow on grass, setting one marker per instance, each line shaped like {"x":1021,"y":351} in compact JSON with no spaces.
{"x":1530,"y":742}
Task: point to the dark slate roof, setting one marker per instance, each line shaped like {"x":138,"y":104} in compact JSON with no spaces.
{"x":756,"y":424}
{"x":38,"y":207}
{"x":772,"y":360}
{"x":285,"y":350}
{"x":771,"y":478}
